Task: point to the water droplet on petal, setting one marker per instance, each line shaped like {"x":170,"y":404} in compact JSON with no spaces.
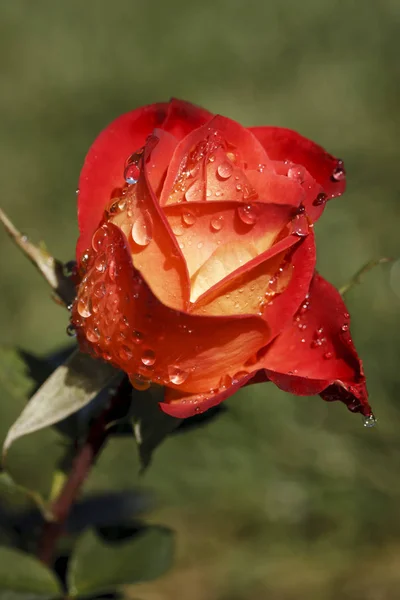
{"x":84,"y":307}
{"x":142,"y":229}
{"x":320,"y":199}
{"x":137,"y":336}
{"x":100,"y":263}
{"x":99,"y":239}
{"x":99,"y":290}
{"x":370,"y":421}
{"x":177,"y":375}
{"x":297,"y":173}
{"x":188,"y":218}
{"x":93,"y":335}
{"x":200,"y":245}
{"x":125,"y":353}
{"x":247,"y":214}
{"x":261,"y":168}
{"x":132,"y":169}
{"x":339,"y":172}
{"x":300,"y":225}
{"x":148,"y":357}
{"x":225,"y":170}
{"x":345,"y":327}
{"x":238,"y":376}
{"x":139,"y":382}
{"x":217,"y":223}
{"x":328,"y":355}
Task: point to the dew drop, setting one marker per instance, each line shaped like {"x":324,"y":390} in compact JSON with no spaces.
{"x":84,"y":307}
{"x":142,"y":229}
{"x":345,"y":327}
{"x":100,"y":263}
{"x":217,"y":223}
{"x":200,"y":245}
{"x":139,"y":382}
{"x":177,"y":229}
{"x":177,"y":375}
{"x":261,"y":168}
{"x":238,"y":376}
{"x":328,"y":355}
{"x":339,"y":172}
{"x":225,"y":170}
{"x":137,"y":337}
{"x":148,"y":357}
{"x":247,"y":214}
{"x":132,"y":169}
{"x":99,"y":239}
{"x":300,"y":225}
{"x":188,"y":218}
{"x":296,"y":173}
{"x":370,"y":421}
{"x":320,"y":199}
{"x":99,"y":290}
{"x":71,"y":330}
{"x":93,"y":335}
{"x":125,"y":353}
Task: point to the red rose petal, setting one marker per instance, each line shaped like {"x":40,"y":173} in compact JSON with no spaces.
{"x":210,"y":164}
{"x":119,"y":319}
{"x":184,"y":117}
{"x":287,"y":145}
{"x":183,"y":405}
{"x":103,"y":169}
{"x":316,"y":352}
{"x":282,"y":307}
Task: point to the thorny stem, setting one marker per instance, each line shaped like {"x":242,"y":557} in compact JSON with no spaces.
{"x":81,"y":466}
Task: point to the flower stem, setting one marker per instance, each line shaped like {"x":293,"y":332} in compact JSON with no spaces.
{"x":81,"y":465}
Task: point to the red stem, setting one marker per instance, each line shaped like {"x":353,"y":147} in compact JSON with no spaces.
{"x":81,"y":465}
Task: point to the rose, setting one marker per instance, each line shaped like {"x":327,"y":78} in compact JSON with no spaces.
{"x":197,"y":260}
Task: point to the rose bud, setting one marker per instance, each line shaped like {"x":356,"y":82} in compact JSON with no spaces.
{"x":197,"y":260}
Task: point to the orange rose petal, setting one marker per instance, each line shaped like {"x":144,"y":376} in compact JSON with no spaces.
{"x":183,"y":405}
{"x":123,"y":322}
{"x":247,"y":293}
{"x":235,"y":278}
{"x":203,"y":228}
{"x":155,"y":251}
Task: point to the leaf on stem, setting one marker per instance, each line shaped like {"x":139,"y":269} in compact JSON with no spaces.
{"x":99,"y":566}
{"x":26,"y":576}
{"x":70,"y":387}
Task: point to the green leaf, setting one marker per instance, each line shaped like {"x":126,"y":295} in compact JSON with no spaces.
{"x":70,"y":387}
{"x":32,"y":461}
{"x":26,"y":576}
{"x":98,"y":566}
{"x":150,"y":424}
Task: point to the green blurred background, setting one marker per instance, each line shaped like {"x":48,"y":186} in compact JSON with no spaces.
{"x":280,"y":497}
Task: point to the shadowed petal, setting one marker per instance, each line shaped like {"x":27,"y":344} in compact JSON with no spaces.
{"x":316,"y":351}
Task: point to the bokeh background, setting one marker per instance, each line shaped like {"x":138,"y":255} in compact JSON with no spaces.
{"x":279,"y":497}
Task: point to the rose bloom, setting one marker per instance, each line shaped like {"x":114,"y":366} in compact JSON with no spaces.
{"x":197,"y":256}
